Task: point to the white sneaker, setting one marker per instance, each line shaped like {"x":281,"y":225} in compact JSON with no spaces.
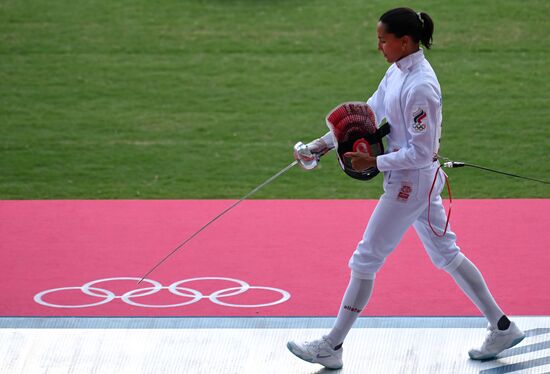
{"x":318,"y":351}
{"x":497,"y":341}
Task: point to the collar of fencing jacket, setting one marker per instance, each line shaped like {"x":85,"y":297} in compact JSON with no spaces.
{"x":409,"y":61}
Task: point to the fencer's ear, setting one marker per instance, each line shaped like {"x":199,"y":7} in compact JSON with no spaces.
{"x":405,"y":40}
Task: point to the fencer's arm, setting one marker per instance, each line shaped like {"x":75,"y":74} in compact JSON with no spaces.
{"x":328,"y":139}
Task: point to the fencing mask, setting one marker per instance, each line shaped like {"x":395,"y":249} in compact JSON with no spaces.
{"x":353,"y":127}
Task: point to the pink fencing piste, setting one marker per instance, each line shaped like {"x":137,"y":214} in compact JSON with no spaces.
{"x":264,"y":258}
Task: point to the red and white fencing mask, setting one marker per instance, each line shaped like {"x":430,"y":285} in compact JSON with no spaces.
{"x":353,"y":127}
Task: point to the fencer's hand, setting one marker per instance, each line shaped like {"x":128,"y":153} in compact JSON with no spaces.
{"x":361,"y":161}
{"x":308,"y":155}
{"x":303,"y":153}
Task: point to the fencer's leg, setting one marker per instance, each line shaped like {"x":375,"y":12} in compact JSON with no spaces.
{"x":387,"y":225}
{"x":445,"y":254}
{"x":469,"y":279}
{"x":502,"y":333}
{"x":355,"y":299}
{"x":392,"y":216}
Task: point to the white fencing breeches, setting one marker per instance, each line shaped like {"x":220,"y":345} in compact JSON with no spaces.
{"x":405,"y":203}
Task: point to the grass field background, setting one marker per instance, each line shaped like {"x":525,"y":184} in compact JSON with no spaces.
{"x":205,"y":99}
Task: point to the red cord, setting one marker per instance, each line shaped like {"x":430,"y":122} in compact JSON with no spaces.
{"x":436,"y":176}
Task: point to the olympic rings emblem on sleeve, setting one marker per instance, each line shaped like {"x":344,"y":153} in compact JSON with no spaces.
{"x":177,"y":288}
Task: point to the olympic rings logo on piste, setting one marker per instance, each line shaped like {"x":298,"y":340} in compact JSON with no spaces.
{"x":176,"y":288}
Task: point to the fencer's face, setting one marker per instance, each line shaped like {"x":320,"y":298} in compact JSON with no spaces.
{"x":392,"y":47}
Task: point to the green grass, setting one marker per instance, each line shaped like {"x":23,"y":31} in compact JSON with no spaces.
{"x":205,"y":99}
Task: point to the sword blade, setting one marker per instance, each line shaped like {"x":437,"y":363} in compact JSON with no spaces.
{"x":256,"y":189}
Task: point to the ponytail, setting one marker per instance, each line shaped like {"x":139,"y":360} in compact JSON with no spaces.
{"x":405,"y":21}
{"x":427,"y":29}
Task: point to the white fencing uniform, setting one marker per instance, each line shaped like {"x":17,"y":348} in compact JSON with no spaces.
{"x":409,"y":97}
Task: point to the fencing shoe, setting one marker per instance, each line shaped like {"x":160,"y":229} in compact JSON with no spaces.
{"x":497,"y":341}
{"x":318,"y":351}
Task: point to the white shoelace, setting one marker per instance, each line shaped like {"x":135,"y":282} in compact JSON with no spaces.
{"x":315,"y":345}
{"x":490,"y":337}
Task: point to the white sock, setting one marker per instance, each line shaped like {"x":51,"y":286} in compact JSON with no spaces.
{"x":470,"y":280}
{"x":355,"y":299}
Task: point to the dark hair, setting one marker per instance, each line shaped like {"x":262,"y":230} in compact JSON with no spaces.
{"x":405,"y":21}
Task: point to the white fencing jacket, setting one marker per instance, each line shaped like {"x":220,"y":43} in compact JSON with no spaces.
{"x":409,"y":97}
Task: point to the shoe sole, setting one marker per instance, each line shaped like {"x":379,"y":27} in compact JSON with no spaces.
{"x":492,"y":356}
{"x":296,"y":353}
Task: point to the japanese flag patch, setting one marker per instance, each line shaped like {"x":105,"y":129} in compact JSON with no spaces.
{"x":420,"y":118}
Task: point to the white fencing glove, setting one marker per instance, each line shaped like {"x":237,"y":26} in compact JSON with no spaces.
{"x":308,"y":155}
